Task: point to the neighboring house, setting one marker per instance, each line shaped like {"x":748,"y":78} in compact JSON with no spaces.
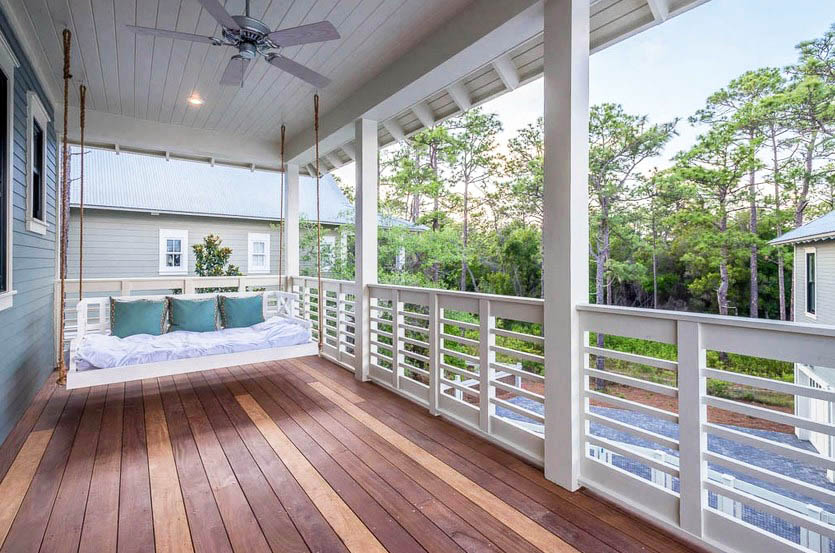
{"x":814,"y":302}
{"x":143,"y":214}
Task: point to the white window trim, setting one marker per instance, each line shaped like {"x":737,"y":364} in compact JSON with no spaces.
{"x":805,"y":283}
{"x":8,"y":63}
{"x":328,"y":263}
{"x":175,"y":234}
{"x":253,"y":237}
{"x":35,"y":112}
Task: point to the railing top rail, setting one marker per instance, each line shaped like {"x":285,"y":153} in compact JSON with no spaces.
{"x":717,"y":320}
{"x":456,"y":293}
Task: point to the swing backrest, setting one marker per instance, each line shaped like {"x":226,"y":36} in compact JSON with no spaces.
{"x":93,"y":314}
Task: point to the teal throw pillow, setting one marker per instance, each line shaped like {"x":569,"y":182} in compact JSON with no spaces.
{"x":241,"y":312}
{"x":192,"y":315}
{"x":128,"y":318}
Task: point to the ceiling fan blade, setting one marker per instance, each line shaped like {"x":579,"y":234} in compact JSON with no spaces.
{"x":298,"y":70}
{"x":305,"y":34}
{"x":172,"y":34}
{"x":222,"y":16}
{"x":235,"y":71}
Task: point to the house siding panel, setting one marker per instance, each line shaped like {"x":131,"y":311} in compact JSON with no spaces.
{"x":125,"y":244}
{"x":825,"y":285}
{"x":26,"y":333}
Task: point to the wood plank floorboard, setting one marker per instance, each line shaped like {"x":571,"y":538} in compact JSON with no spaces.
{"x":101,"y":518}
{"x":292,"y":456}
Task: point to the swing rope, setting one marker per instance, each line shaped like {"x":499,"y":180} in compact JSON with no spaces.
{"x":282,"y":216}
{"x":65,"y":197}
{"x":82,"y":93}
{"x":322,"y":303}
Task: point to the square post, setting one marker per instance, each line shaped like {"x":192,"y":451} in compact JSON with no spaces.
{"x":692,"y":389}
{"x":291,"y":222}
{"x":565,"y":231}
{"x":366,"y":238}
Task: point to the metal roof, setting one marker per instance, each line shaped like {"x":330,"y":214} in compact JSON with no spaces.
{"x":822,"y":228}
{"x":136,"y":182}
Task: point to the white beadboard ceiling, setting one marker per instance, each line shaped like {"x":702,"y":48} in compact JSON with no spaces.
{"x":150,"y":77}
{"x":132,"y":77}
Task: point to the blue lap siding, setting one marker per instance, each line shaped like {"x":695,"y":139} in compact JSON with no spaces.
{"x":26,"y":333}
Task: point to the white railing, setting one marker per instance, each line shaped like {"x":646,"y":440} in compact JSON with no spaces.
{"x":672,"y":392}
{"x":426,"y":344}
{"x":338,"y":315}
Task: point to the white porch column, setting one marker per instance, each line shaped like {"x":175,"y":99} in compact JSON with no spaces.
{"x":291,"y":224}
{"x":366,"y":239}
{"x":565,"y":231}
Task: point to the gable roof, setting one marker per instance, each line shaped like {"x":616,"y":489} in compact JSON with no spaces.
{"x":136,"y":182}
{"x":822,"y":228}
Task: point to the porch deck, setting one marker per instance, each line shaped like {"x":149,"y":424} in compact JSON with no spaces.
{"x":286,"y":456}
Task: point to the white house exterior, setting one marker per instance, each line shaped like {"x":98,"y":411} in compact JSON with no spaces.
{"x":143,"y":214}
{"x":814,"y":302}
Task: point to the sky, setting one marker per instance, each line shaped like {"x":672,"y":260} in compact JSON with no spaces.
{"x":668,"y":71}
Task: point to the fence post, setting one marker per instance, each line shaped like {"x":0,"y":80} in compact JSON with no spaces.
{"x":434,"y":354}
{"x":814,"y":541}
{"x":486,"y":357}
{"x":692,"y":414}
{"x":396,"y":325}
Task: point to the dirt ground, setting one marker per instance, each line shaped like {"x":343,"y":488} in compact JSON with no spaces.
{"x":718,"y":416}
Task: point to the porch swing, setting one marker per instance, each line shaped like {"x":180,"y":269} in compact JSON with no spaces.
{"x":161,"y":355}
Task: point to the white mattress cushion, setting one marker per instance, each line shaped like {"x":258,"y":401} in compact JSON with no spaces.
{"x":99,"y":351}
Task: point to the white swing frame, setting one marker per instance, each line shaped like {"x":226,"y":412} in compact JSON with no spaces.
{"x":275,"y":303}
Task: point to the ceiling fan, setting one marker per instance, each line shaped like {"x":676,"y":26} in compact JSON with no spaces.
{"x":253,"y":38}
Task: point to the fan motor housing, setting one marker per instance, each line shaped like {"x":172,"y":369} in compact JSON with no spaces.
{"x":252,"y":30}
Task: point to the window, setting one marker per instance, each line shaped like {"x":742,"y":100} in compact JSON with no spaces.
{"x":37,"y":121}
{"x":8,"y":63}
{"x":173,"y":251}
{"x":811,"y":292}
{"x":259,"y":253}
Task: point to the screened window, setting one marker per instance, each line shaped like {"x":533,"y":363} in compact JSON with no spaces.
{"x":811,"y":292}
{"x":173,"y":251}
{"x":259,"y":253}
{"x":37,"y":122}
{"x":37,"y":174}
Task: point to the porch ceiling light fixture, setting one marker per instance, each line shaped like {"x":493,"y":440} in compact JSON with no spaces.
{"x":253,"y":38}
{"x":195,"y":100}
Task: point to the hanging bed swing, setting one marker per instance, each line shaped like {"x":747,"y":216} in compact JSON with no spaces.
{"x":100,"y":353}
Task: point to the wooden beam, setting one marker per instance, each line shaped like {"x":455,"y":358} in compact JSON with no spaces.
{"x":660,"y":9}
{"x":350,"y":151}
{"x":424,"y":114}
{"x":460,"y":95}
{"x":506,"y":69}
{"x":395,"y":130}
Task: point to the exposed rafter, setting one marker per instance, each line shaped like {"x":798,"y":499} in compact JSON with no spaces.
{"x":507,"y":71}
{"x":395,"y":130}
{"x":460,"y":95}
{"x":424,"y":114}
{"x":334,"y":160}
{"x":350,"y":150}
{"x":660,"y":9}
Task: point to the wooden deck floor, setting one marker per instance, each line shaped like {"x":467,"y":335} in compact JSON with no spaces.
{"x":289,"y":456}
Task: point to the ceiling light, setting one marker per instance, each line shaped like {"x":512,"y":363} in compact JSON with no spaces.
{"x":195,"y":100}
